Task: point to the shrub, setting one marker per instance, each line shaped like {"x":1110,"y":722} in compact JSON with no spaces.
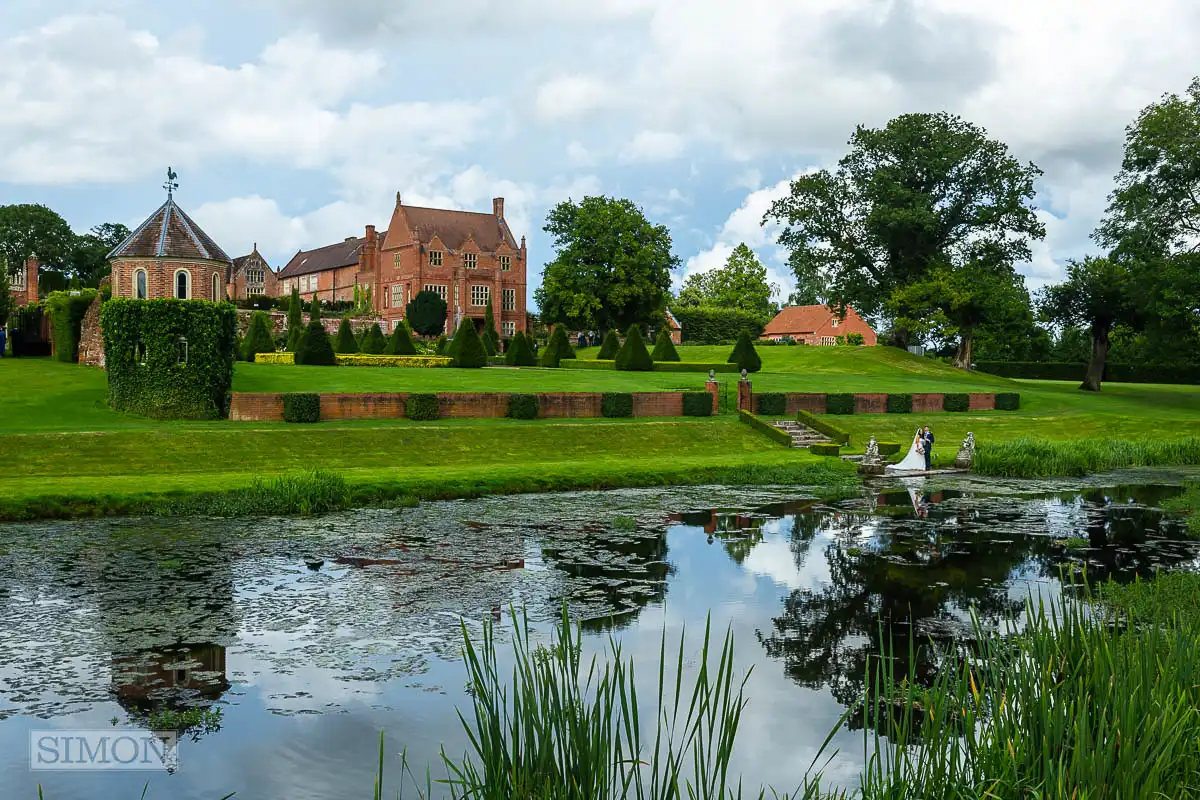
{"x":766,"y":428}
{"x":888,"y":448}
{"x":441,"y":345}
{"x":345,"y":341}
{"x":422,"y":407}
{"x":590,"y":363}
{"x":855,"y":339}
{"x":466,"y":349}
{"x":664,"y":348}
{"x":314,"y":310}
{"x":697,"y":404}
{"x":315,"y":348}
{"x":520,"y":354}
{"x":899,"y":404}
{"x":693,"y":366}
{"x":258,"y":338}
{"x":374,"y":343}
{"x":522,"y":406}
{"x":491,"y":337}
{"x":359,"y":360}
{"x":633,"y":356}
{"x":744,"y":354}
{"x":301,"y":407}
{"x":275,"y":358}
{"x":610,"y":347}
{"x":839,"y":404}
{"x":400,"y":343}
{"x":169,"y":359}
{"x":295,"y":320}
{"x":772,"y":403}
{"x":557,"y":348}
{"x":426,"y":313}
{"x":821,"y":425}
{"x":956,"y":402}
{"x":616,"y":404}
{"x":822,"y":449}
{"x":1008,"y":401}
{"x":706,"y":325}
{"x":66,"y":312}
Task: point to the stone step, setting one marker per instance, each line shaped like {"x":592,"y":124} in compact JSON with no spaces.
{"x":802,"y":435}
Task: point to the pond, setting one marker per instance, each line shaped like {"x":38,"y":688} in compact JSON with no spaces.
{"x":106,"y":622}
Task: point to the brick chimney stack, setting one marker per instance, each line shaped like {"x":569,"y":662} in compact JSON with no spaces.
{"x":370,"y":234}
{"x":498,"y":207}
{"x":31,"y":280}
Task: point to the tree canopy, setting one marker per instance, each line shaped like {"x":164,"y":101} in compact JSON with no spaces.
{"x":88,"y":261}
{"x":612,"y":268}
{"x":923,"y":192}
{"x":34,"y":230}
{"x":742,"y":283}
{"x":426,"y":313}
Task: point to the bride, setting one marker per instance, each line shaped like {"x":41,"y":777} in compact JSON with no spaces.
{"x":915,"y":460}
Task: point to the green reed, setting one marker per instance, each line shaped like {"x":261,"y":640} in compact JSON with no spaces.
{"x":1039,"y":458}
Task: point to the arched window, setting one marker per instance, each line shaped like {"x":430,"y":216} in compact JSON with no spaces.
{"x":183,"y":285}
{"x":217,"y":293}
{"x":139,"y":285}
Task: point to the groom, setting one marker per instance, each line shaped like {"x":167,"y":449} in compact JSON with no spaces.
{"x":927,"y":445}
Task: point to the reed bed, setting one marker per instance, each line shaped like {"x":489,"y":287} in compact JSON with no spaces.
{"x":1039,"y":458}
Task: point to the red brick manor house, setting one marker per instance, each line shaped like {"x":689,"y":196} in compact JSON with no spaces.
{"x":469,"y":258}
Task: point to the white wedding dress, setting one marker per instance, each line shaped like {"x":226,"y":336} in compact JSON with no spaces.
{"x":914,"y":461}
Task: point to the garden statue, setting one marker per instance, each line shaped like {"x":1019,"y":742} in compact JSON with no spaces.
{"x":966,"y":453}
{"x":872,"y":450}
{"x":872,"y":463}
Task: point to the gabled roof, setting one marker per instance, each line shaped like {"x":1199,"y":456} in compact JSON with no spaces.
{"x":169,"y":233}
{"x":342,"y":254}
{"x":239,"y":263}
{"x":672,"y":323}
{"x":455,"y":227}
{"x":801,"y":319}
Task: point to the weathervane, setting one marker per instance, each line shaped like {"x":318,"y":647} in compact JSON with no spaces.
{"x":172,"y":183}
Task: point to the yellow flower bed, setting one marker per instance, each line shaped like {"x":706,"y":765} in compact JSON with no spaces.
{"x":394,"y":361}
{"x":275,"y":358}
{"x":363,"y":361}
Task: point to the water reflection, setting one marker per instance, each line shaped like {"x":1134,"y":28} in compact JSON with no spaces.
{"x":312,"y":635}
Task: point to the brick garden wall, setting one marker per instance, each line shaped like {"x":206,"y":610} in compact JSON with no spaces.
{"x":877,"y":403}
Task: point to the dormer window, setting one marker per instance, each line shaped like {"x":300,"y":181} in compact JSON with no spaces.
{"x":505,"y":263}
{"x":435,"y":258}
{"x":470,"y":260}
{"x":835,"y":322}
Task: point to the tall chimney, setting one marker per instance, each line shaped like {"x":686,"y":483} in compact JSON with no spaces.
{"x":498,"y":207}
{"x":370,"y":234}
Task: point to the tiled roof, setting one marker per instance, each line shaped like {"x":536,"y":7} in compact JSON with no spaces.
{"x":239,"y":263}
{"x":454,"y":227}
{"x":342,"y":254}
{"x":800,"y":319}
{"x":672,"y":323}
{"x":169,"y":233}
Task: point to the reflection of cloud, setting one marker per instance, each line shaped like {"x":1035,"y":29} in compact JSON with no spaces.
{"x":774,"y":558}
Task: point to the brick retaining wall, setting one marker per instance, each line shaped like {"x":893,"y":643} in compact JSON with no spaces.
{"x":873,"y":403}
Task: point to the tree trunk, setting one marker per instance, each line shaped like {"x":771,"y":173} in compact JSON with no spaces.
{"x":900,"y":337}
{"x":966,"y":349}
{"x":1095,"y":370}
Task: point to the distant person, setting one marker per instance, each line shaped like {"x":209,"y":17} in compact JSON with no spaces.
{"x":927,"y":437}
{"x":3,"y":340}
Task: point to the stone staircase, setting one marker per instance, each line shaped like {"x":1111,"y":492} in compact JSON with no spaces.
{"x":802,"y":435}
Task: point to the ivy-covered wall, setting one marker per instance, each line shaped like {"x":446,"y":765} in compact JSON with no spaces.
{"x":169,"y":359}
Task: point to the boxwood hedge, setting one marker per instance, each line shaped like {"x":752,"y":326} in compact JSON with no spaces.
{"x":169,"y":359}
{"x":956,"y":402}
{"x":301,"y":407}
{"x":888,"y":448}
{"x":772,"y":403}
{"x":1008,"y":401}
{"x":697,"y":404}
{"x":66,"y":310}
{"x":422,"y":407}
{"x":616,"y":404}
{"x":825,"y":449}
{"x":522,"y":406}
{"x":899,"y":404}
{"x":839,"y":404}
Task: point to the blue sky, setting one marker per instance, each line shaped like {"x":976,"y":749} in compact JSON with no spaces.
{"x":293,"y":123}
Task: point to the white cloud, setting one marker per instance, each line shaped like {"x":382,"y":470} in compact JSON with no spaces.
{"x":652,"y":146}
{"x":579,"y":156}
{"x":573,"y":96}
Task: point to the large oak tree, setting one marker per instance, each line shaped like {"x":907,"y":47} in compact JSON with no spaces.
{"x":920,"y":193}
{"x":612,"y":268}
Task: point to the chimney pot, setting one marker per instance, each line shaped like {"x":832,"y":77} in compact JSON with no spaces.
{"x":498,"y":207}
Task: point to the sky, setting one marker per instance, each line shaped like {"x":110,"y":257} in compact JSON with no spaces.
{"x":293,"y":123}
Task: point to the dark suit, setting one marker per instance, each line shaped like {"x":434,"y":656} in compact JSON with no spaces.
{"x":928,"y":437}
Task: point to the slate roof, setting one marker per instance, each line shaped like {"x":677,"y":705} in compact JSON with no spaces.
{"x":332,"y":256}
{"x":239,"y":263}
{"x":169,"y":233}
{"x":454,"y":227}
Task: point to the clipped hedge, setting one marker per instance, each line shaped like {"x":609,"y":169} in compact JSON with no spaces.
{"x":610,"y":347}
{"x":899,"y":404}
{"x":820,"y":425}
{"x":1008,"y":401}
{"x":394,"y":361}
{"x":821,"y":449}
{"x":664,"y":348}
{"x":772,"y":403}
{"x":1188,"y":374}
{"x":423,"y":407}
{"x":888,"y":448}
{"x":956,"y":402}
{"x":169,"y":359}
{"x":839,"y":404}
{"x":616,"y":404}
{"x":697,"y":404}
{"x":66,"y":310}
{"x":744,"y":355}
{"x":314,"y":347}
{"x":633,"y":355}
{"x":716,"y":325}
{"x":400,"y":343}
{"x":275,"y":358}
{"x":522,"y":406}
{"x":345,"y":341}
{"x":766,"y":428}
{"x":693,"y":366}
{"x":301,"y":407}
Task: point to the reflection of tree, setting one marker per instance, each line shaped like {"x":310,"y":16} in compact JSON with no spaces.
{"x":612,"y":575}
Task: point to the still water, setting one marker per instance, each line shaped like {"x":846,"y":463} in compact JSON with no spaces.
{"x":102,"y":623}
